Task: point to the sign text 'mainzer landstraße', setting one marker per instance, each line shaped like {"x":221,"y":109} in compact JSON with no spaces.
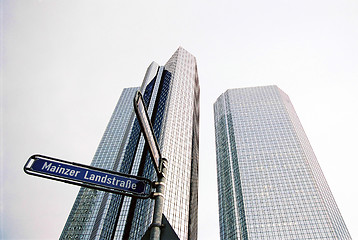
{"x":91,"y":176}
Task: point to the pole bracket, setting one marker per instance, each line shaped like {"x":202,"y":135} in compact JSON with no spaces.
{"x":156,"y":194}
{"x":156,"y":225}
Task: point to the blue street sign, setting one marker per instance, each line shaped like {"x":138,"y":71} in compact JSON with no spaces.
{"x":88,"y":176}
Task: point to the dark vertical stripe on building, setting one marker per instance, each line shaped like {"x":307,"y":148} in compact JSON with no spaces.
{"x":234,"y":159}
{"x":129,"y":156}
{"x":146,"y":168}
{"x":194,"y":174}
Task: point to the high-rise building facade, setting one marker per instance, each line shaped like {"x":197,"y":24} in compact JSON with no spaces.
{"x":270,"y":183}
{"x":171,"y":94}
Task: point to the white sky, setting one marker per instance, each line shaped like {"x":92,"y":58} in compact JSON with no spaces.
{"x":65,"y":63}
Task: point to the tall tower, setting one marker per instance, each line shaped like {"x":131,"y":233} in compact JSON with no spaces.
{"x":171,"y":94}
{"x":270,"y":183}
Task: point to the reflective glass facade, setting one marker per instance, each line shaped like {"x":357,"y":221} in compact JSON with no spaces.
{"x":171,"y":94}
{"x":270,"y":183}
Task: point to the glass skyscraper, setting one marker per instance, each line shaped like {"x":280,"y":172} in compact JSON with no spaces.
{"x":171,"y":94}
{"x":270,"y":183}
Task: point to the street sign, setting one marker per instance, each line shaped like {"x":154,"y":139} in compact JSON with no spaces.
{"x":88,"y":176}
{"x":147,"y":129}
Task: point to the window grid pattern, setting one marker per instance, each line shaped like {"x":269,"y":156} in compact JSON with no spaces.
{"x":284,"y":193}
{"x":177,"y":144}
{"x":99,"y":221}
{"x":327,"y":196}
{"x":127,"y":166}
{"x":95,"y":212}
{"x":144,"y":208}
{"x":124,"y":214}
{"x":88,"y":202}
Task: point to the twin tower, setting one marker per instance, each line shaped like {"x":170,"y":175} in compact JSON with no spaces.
{"x":269,"y":181}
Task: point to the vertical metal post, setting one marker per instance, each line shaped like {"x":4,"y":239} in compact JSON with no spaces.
{"x":159,"y":203}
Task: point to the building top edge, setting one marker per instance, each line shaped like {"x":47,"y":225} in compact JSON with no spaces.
{"x":243,"y":88}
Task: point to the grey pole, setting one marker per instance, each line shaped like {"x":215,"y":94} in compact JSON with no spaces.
{"x":159,"y":203}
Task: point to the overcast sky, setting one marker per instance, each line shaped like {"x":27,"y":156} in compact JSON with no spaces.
{"x":65,"y":62}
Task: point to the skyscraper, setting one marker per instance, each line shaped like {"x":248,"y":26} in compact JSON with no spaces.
{"x":171,"y":93}
{"x":270,"y":183}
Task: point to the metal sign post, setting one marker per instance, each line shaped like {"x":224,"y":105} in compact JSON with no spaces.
{"x":159,"y":163}
{"x":147,"y":129}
